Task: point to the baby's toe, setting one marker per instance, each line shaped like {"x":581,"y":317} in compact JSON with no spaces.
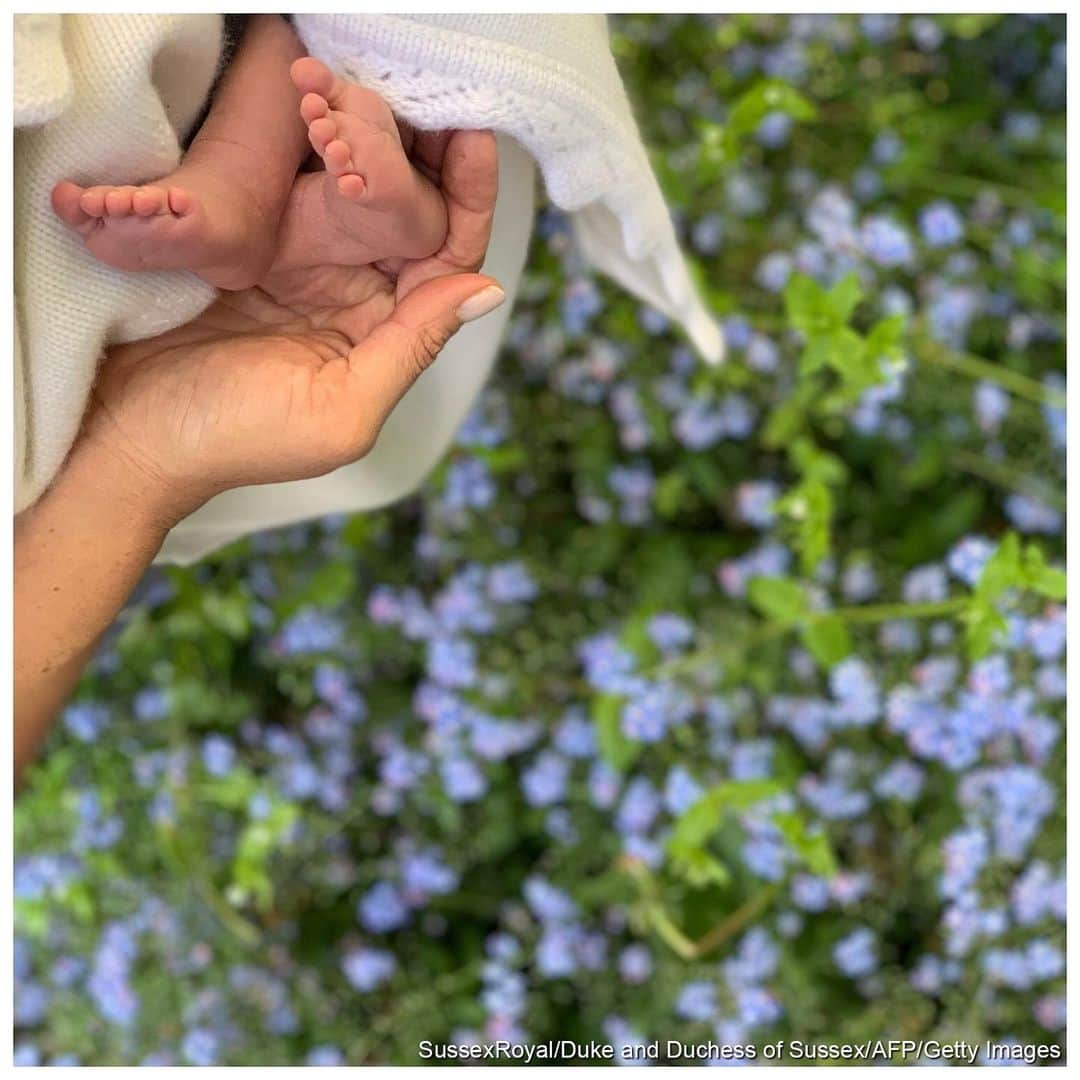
{"x":313,"y":106}
{"x":148,"y":201}
{"x":321,"y":133}
{"x":118,"y":202}
{"x":92,"y":201}
{"x":180,"y":201}
{"x":66,"y":204}
{"x":338,"y":157}
{"x":311,"y":76}
{"x":352,"y":186}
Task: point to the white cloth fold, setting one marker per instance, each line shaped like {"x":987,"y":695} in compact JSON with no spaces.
{"x":98,"y":99}
{"x":106,"y":98}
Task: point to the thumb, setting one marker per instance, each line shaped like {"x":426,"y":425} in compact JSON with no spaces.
{"x":398,"y":351}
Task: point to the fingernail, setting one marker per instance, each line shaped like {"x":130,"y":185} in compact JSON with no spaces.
{"x":479,"y":304}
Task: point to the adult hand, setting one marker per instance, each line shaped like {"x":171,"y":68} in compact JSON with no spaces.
{"x":295,"y":378}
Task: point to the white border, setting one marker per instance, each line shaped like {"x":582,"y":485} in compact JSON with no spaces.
{"x":7,"y":466}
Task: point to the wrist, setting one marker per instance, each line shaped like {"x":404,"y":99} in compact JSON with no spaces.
{"x":101,"y":477}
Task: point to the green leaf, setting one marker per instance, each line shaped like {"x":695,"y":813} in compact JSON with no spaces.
{"x":810,"y":460}
{"x":1045,"y":580}
{"x":843,"y":298}
{"x":669,"y":493}
{"x":33,"y":917}
{"x":850,"y":359}
{"x":228,"y":612}
{"x":254,"y":849}
{"x":983,"y":623}
{"x":810,"y":505}
{"x":812,"y":847}
{"x":816,"y":355}
{"x":698,"y":822}
{"x":1051,"y":583}
{"x":885,"y":336}
{"x":329,"y":586}
{"x":332,"y":584}
{"x":822,"y":319}
{"x":806,"y":306}
{"x":714,"y":151}
{"x":784,"y":423}
{"x":233,"y":791}
{"x":1002,"y":570}
{"x":968,"y":26}
{"x":743,"y":794}
{"x":699,"y":868}
{"x":764,"y":97}
{"x":780,"y":599}
{"x":827,"y":639}
{"x":502,"y":459}
{"x":636,"y":639}
{"x":615,"y":748}
{"x":815,"y":538}
{"x":815,"y":312}
{"x":695,"y":825}
{"x":79,"y":900}
{"x":359,"y":530}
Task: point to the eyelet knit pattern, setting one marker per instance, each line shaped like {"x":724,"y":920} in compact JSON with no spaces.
{"x":550,"y":81}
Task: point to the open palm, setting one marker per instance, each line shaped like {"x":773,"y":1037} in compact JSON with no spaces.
{"x":295,"y":377}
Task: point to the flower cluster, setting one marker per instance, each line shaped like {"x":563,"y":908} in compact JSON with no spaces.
{"x":681,"y":702}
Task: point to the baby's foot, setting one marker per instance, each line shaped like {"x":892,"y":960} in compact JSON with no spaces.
{"x":194,"y":219}
{"x":371,"y":203}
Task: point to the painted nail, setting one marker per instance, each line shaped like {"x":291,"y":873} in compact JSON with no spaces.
{"x":479,"y":304}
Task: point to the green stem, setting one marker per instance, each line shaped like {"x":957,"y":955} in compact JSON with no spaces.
{"x":235,"y":923}
{"x":757,"y":635}
{"x":997,"y":472}
{"x":740,"y":918}
{"x":670,"y":934}
{"x":984,"y":240}
{"x":929,"y":351}
{"x":675,"y":938}
{"x":875,"y":613}
{"x":763,"y":632}
{"x":658,"y":917}
{"x":971,"y":187}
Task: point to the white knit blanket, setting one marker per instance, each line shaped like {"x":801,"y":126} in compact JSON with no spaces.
{"x":108,"y":98}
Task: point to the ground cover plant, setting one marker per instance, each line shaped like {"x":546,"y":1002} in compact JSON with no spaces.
{"x":714,"y":705}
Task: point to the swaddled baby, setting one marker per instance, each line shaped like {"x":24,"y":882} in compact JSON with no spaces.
{"x":235,"y":206}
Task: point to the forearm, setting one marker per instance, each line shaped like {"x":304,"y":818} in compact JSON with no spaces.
{"x":79,"y":551}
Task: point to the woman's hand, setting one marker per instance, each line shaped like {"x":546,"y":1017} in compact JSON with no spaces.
{"x":288,"y":380}
{"x":296,"y":377}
